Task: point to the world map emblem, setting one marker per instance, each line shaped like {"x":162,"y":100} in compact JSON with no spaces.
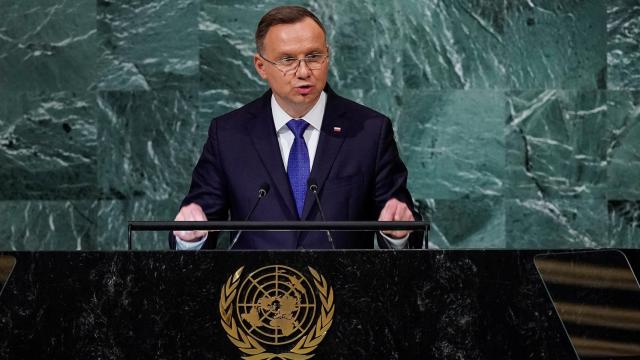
{"x":275,"y":312}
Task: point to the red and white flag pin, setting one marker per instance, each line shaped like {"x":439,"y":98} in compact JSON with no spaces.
{"x":337,"y":130}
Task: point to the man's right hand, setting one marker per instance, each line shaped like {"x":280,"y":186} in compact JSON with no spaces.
{"x":191,"y":212}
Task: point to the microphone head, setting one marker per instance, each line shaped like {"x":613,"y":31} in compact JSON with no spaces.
{"x":264,"y":189}
{"x":312,"y":184}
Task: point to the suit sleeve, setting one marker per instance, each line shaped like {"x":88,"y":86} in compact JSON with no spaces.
{"x":391,"y":181}
{"x":208,"y":186}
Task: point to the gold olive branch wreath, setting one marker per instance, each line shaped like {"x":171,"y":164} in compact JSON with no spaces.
{"x":250,"y":346}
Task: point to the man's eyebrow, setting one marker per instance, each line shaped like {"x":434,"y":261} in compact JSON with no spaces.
{"x":308,"y":52}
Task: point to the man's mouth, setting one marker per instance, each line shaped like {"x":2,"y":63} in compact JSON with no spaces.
{"x":304,"y":89}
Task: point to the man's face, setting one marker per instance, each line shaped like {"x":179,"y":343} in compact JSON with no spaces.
{"x":297,"y":91}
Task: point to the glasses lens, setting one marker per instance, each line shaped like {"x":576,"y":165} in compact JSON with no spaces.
{"x":315,"y":62}
{"x":314,"y":65}
{"x":291,"y":65}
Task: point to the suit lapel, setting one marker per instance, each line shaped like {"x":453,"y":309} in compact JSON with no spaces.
{"x":265,"y":140}
{"x":332,"y":136}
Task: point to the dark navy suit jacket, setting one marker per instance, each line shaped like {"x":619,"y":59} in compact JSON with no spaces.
{"x":356,"y":167}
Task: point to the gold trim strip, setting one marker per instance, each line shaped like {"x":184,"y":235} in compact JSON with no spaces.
{"x":617,"y":318}
{"x":595,"y":347}
{"x":6,"y":265}
{"x":596,"y":276}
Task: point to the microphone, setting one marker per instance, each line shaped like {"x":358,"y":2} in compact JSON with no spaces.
{"x":313,"y":187}
{"x":262,"y":192}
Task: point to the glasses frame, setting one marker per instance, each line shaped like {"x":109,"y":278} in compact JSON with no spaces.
{"x":293,"y":70}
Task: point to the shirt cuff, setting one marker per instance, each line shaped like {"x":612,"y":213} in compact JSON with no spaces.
{"x":396,"y":244}
{"x":190,"y":245}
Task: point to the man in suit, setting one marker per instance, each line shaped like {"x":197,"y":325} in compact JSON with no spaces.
{"x":298,"y":130}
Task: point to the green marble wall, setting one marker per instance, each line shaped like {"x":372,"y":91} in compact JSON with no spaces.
{"x":519,"y":120}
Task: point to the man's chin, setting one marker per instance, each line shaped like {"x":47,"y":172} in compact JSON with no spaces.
{"x":298,"y":101}
{"x":306,"y":98}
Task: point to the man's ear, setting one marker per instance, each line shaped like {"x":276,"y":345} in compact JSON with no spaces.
{"x":260,"y":64}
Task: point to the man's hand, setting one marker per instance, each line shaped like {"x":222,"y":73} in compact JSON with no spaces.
{"x":395,"y":210}
{"x":191,"y":212}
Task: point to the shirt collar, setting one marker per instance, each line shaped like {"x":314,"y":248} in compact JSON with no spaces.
{"x":313,"y":117}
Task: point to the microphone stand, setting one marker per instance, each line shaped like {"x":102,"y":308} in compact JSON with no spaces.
{"x":264,"y":189}
{"x":314,"y":189}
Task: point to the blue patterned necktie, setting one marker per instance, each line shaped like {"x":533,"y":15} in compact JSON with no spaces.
{"x":298,"y":165}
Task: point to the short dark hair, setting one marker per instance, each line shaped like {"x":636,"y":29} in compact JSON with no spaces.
{"x":290,"y":14}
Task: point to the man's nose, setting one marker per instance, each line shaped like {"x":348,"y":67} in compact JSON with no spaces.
{"x":303,"y":70}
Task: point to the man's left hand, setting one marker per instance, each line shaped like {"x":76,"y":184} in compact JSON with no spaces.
{"x":395,"y":210}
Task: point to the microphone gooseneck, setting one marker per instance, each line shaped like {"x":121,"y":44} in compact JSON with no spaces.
{"x":313,"y":187}
{"x":262,"y":192}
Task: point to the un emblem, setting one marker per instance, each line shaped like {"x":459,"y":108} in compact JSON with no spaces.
{"x":276,"y":307}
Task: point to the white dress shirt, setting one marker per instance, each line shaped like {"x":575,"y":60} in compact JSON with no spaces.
{"x":285,"y":141}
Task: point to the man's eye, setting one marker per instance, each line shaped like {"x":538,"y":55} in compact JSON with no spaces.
{"x":287,"y":61}
{"x":314,"y":57}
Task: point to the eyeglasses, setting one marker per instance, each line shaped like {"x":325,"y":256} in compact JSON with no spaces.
{"x":290,"y":64}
